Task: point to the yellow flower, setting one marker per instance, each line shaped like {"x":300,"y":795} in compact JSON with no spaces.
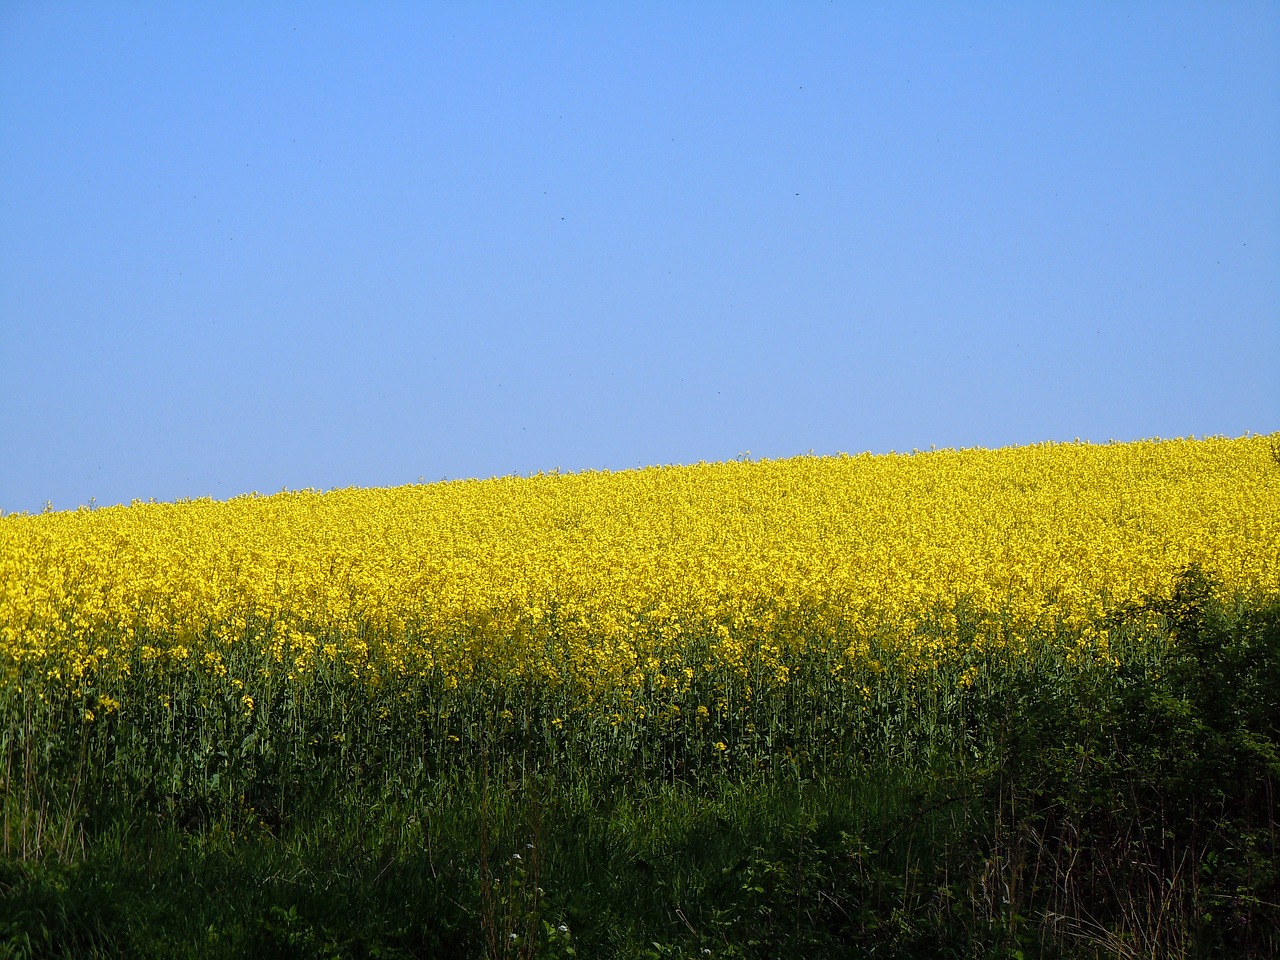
{"x":645,"y":582}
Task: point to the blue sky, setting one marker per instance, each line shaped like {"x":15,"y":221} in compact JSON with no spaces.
{"x":255,"y":246}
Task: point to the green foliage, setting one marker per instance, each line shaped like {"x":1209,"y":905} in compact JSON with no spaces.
{"x":1145,"y":801}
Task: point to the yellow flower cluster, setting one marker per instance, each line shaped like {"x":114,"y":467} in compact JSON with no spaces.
{"x":613,"y":579}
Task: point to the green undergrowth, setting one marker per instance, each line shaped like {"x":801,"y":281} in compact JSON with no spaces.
{"x":1043,"y":808}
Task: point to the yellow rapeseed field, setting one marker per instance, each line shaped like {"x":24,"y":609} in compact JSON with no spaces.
{"x":616,"y":579}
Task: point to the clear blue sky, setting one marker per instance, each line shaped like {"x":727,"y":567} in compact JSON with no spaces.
{"x":250,"y":246}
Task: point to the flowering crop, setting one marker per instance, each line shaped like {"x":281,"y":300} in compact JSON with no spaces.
{"x":430,"y":661}
{"x":602,"y":581}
